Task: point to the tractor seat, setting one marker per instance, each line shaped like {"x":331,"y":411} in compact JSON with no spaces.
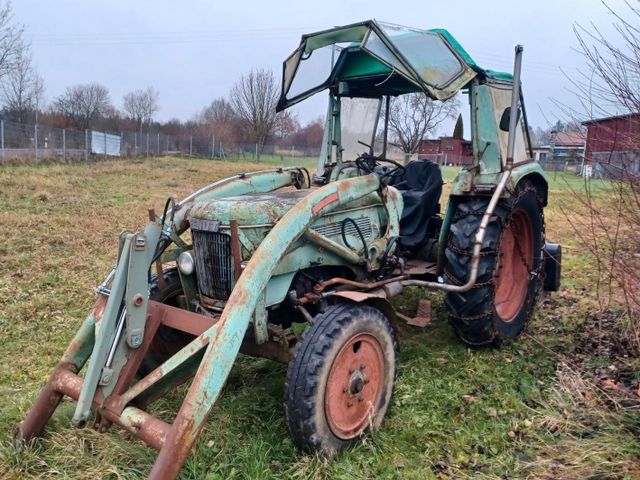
{"x":421,"y":187}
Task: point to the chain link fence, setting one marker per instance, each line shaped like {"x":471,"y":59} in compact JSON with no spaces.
{"x":21,"y":142}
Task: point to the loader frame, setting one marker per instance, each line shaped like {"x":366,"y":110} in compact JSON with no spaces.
{"x":221,"y":337}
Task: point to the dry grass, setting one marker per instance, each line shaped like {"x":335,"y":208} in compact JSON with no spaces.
{"x":456,"y":413}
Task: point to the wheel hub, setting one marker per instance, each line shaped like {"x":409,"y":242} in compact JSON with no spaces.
{"x":357,"y":382}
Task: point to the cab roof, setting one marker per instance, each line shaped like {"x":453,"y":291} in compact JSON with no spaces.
{"x":371,"y":59}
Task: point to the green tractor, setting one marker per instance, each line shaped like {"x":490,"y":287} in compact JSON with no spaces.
{"x":299,"y":268}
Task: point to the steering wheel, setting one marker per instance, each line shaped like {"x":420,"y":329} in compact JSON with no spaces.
{"x":368,"y":164}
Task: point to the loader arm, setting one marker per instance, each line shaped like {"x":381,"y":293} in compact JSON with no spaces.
{"x":222,"y":340}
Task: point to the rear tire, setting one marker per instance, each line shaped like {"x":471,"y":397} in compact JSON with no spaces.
{"x":340,"y":382}
{"x":510,"y":272}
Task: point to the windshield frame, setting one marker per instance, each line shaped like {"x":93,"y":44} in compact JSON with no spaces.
{"x":363,"y":31}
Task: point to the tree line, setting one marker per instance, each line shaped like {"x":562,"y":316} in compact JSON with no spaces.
{"x":246,"y":115}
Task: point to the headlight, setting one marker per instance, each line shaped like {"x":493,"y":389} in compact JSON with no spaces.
{"x":186,"y":263}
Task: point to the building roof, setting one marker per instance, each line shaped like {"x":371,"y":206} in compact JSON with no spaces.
{"x":613,"y":117}
{"x":569,"y":138}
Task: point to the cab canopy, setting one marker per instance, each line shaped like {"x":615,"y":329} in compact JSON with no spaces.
{"x":371,"y":59}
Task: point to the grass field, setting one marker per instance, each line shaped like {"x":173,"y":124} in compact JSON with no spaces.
{"x":524,"y":411}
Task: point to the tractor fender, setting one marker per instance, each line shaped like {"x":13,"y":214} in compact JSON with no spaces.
{"x":375,"y":298}
{"x":540,"y":184}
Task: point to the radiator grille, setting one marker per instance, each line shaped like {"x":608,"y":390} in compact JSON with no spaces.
{"x":214,"y":263}
{"x":333,"y":229}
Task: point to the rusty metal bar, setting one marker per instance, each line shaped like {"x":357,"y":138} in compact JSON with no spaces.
{"x":167,"y":367}
{"x":180,"y":319}
{"x":334,"y":247}
{"x":477,"y":246}
{"x":146,"y":427}
{"x":41,"y":410}
{"x":321,"y":286}
{"x":235,"y":248}
{"x":479,"y":238}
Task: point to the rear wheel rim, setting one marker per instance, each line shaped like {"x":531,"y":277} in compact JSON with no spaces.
{"x":354,"y":386}
{"x":514,"y":266}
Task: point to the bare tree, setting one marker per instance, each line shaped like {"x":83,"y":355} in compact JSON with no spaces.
{"x":610,"y":84}
{"x":11,"y":43}
{"x":287,"y":124}
{"x":83,"y":104}
{"x":414,"y":115}
{"x":22,"y":87}
{"x":219,"y":111}
{"x":254,"y":99}
{"x":140,"y":105}
{"x":220,"y":120}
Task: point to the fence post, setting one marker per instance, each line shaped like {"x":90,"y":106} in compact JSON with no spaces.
{"x":2,"y":137}
{"x":158,"y":143}
{"x":135,"y":144}
{"x":35,"y":137}
{"x":256,"y":157}
{"x":213,"y":145}
{"x":64,"y":144}
{"x":190,"y":145}
{"x":105,"y":144}
{"x":86,"y":144}
{"x":147,"y":144}
{"x":167,"y":149}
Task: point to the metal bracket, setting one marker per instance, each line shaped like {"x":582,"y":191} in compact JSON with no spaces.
{"x":137,"y":291}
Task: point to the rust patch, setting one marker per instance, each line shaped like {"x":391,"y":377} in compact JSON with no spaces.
{"x":329,"y":199}
{"x":98,"y":308}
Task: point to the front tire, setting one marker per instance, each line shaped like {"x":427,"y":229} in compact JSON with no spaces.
{"x":340,"y":382}
{"x":509,"y":279}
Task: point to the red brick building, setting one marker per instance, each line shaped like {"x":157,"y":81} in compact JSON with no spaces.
{"x":446,"y":151}
{"x":613,"y":144}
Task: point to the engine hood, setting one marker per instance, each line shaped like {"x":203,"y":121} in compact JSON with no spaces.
{"x":257,"y":209}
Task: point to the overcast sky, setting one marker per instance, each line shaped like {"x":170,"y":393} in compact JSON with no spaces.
{"x":193,"y":51}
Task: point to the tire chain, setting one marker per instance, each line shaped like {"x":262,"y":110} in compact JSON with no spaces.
{"x":513,"y":201}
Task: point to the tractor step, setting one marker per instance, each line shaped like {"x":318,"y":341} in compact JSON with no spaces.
{"x":422,"y":317}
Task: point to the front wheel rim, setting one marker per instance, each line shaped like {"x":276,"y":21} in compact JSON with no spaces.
{"x":354,"y":386}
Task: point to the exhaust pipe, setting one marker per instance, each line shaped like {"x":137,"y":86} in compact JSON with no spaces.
{"x":479,"y":238}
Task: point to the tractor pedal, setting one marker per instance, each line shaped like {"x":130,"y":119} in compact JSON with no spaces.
{"x":423,"y":315}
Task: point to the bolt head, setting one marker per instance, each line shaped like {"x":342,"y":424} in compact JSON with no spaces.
{"x":136,"y":340}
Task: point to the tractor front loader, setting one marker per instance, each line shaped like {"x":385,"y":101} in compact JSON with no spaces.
{"x":247,"y":263}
